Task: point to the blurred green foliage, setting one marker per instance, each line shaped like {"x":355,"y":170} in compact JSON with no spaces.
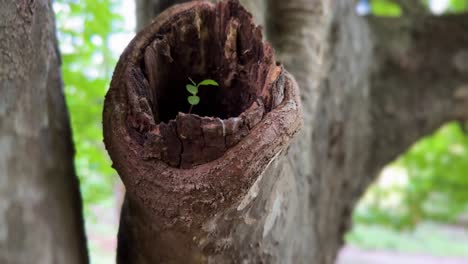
{"x":84,"y":31}
{"x":435,"y":187}
{"x":435,"y":181}
{"x":385,"y":8}
{"x":458,"y":5}
{"x":389,"y":8}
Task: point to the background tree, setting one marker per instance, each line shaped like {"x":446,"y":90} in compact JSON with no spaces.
{"x":40,"y":205}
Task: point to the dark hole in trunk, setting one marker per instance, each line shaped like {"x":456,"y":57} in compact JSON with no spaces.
{"x":218,"y":42}
{"x":204,"y":45}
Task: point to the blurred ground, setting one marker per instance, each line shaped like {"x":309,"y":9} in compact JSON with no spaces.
{"x":353,"y":255}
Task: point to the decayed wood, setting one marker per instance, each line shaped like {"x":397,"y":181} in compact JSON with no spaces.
{"x":183,"y":171}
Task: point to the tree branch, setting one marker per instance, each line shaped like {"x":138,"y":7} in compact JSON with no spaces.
{"x":412,"y":7}
{"x":420,"y":81}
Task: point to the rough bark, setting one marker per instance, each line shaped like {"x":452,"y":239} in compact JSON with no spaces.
{"x":369,"y":88}
{"x":420,"y":81}
{"x":186,"y":174}
{"x":40,"y":206}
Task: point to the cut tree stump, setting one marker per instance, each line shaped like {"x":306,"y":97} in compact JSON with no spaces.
{"x":192,"y":178}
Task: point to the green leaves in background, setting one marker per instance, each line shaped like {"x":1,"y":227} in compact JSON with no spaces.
{"x":458,"y":5}
{"x":438,"y":171}
{"x":436,"y":187}
{"x":385,"y":8}
{"x":84,"y":31}
{"x":436,"y":167}
{"x":388,"y":8}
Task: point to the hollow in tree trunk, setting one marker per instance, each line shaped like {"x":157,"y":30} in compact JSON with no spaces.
{"x":273,"y":203}
{"x":192,"y":179}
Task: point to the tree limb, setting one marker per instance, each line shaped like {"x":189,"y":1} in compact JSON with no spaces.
{"x":412,"y":7}
{"x":420,"y":80}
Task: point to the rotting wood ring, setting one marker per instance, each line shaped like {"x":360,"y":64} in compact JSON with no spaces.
{"x":184,"y":167}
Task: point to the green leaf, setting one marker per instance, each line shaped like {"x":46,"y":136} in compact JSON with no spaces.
{"x":192,"y":89}
{"x":209,"y":82}
{"x":193,"y":100}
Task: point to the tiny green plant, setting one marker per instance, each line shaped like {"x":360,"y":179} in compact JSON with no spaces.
{"x":194,"y":99}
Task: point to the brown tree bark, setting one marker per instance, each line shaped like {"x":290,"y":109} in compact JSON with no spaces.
{"x":40,"y":206}
{"x":369,"y":88}
{"x":192,"y":170}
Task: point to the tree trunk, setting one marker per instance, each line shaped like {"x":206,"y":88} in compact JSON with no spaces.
{"x":369,"y":88}
{"x":40,"y":205}
{"x":190,"y":169}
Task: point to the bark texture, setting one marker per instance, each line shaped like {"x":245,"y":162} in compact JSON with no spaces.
{"x":369,"y":87}
{"x":40,"y":206}
{"x":186,"y":174}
